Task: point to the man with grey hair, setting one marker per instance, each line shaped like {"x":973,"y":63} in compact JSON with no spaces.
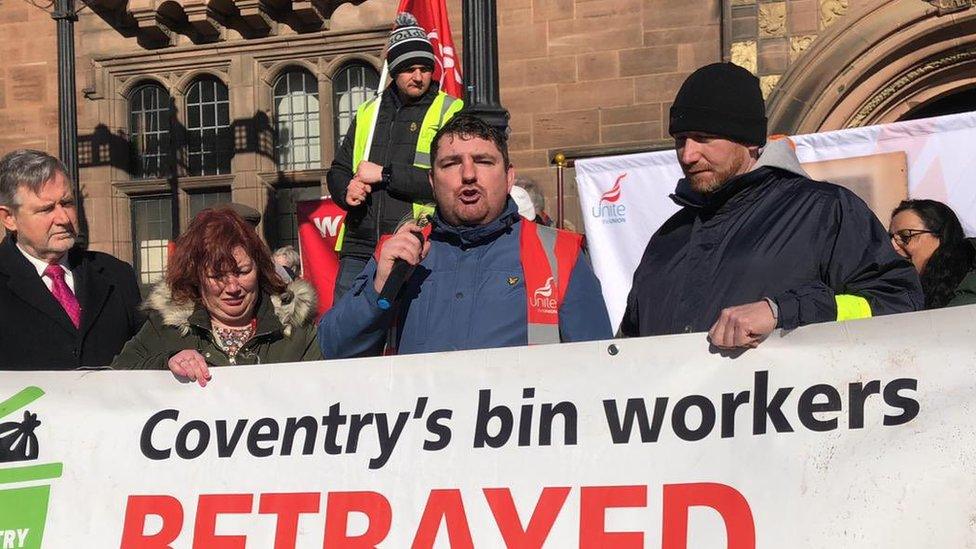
{"x":60,"y":307}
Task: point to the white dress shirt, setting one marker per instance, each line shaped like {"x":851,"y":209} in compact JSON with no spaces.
{"x":40,"y":265}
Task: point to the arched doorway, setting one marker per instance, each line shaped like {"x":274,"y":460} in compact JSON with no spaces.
{"x":953,"y":103}
{"x":889,"y":61}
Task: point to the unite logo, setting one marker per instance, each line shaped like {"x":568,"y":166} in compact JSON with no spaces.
{"x":608,"y":209}
{"x":542,"y":298}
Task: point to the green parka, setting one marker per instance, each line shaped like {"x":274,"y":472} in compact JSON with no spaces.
{"x":966,"y":290}
{"x":285,"y":331}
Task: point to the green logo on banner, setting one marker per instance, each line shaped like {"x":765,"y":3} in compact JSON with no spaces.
{"x":24,"y":490}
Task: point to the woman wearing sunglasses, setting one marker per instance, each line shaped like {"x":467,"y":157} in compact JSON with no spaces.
{"x":929,"y":234}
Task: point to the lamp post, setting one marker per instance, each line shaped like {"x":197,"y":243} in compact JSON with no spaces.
{"x":65,"y":16}
{"x":481,"y":63}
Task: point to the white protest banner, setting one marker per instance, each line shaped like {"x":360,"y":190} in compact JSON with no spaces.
{"x":940,"y":166}
{"x":624,"y":200}
{"x":854,"y":434}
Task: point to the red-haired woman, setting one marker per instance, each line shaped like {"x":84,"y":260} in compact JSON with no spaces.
{"x":220,"y":304}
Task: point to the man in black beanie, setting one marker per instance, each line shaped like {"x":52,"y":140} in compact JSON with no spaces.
{"x":757,"y":244}
{"x":380,"y":190}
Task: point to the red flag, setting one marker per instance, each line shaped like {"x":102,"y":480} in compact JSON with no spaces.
{"x":319,"y":223}
{"x":432,"y":16}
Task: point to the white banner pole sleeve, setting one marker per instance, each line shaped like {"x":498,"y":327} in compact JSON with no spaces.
{"x":384,"y":75}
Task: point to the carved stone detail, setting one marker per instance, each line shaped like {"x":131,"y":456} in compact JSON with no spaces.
{"x":94,"y":82}
{"x":154,"y":26}
{"x":744,"y":55}
{"x":306,"y":12}
{"x":951,"y":6}
{"x":830,"y":11}
{"x":768,"y":83}
{"x":906,"y":80}
{"x":255,"y":15}
{"x":205,"y":21}
{"x":772,"y":20}
{"x":106,"y":5}
{"x":799,"y":44}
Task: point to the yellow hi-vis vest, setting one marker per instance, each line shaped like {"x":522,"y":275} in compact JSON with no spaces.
{"x":440,"y":111}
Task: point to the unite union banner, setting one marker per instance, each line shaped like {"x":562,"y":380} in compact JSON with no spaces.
{"x":856,"y":434}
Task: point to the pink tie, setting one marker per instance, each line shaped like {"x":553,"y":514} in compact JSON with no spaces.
{"x":62,"y":293}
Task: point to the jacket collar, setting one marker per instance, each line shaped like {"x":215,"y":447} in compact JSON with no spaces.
{"x":733,"y":188}
{"x":92,"y":287}
{"x":473,"y":236}
{"x":776,"y":155}
{"x":23,"y":282}
{"x":293,"y":308}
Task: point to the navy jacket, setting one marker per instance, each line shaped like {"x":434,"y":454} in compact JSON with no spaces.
{"x":770,"y":233}
{"x":468,"y":293}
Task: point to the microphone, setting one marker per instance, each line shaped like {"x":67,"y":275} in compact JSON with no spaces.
{"x":398,"y":275}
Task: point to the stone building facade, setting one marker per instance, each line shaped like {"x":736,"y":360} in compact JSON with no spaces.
{"x":185,"y":103}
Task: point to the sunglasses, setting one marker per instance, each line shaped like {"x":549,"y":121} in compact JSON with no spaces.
{"x":904,"y":236}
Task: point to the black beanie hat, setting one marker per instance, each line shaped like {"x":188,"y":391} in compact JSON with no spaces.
{"x":722,"y":99}
{"x":409,"y":45}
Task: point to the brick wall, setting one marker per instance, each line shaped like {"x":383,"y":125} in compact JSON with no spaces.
{"x":596,"y":73}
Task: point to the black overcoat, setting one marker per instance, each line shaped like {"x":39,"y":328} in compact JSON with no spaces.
{"x":36,"y":333}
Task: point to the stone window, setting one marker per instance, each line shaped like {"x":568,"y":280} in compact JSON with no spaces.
{"x":200,"y":201}
{"x":296,"y":121}
{"x":149,"y":125}
{"x":209,"y":142}
{"x":283,"y":227}
{"x":152,"y":231}
{"x":353,"y":85}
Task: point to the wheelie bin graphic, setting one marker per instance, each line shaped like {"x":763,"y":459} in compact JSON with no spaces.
{"x":24,"y":489}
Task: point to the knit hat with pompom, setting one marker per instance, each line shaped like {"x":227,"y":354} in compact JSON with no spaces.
{"x":409,"y":45}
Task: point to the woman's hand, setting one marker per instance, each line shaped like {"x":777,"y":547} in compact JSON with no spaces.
{"x":190,"y":364}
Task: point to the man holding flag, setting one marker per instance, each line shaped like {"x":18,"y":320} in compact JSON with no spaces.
{"x":379,"y":175}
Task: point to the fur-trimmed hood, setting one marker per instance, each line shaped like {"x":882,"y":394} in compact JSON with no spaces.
{"x":293,"y":308}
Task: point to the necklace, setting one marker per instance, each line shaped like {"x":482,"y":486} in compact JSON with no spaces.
{"x":230,"y":340}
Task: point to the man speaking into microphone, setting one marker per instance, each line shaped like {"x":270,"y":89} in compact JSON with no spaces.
{"x":479,"y":276}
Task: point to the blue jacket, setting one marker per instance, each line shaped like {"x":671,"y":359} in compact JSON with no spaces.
{"x":468,"y":293}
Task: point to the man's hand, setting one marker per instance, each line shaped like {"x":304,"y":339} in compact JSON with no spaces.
{"x":369,"y":173}
{"x":742,"y":326}
{"x":356,"y":192}
{"x":190,"y":364}
{"x":402,"y":245}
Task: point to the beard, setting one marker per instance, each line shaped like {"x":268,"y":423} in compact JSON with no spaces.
{"x":706,"y":178}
